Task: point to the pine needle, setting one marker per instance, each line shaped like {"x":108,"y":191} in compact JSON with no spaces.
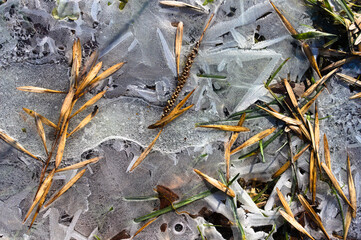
{"x":144,"y":226}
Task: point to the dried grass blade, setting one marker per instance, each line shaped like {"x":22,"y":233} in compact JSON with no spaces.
{"x":66,"y":187}
{"x":216,"y":183}
{"x":284,"y":203}
{"x":90,"y":62}
{"x":85,"y":121}
{"x":235,"y":135}
{"x":12,"y":142}
{"x":284,"y":20}
{"x":335,"y":183}
{"x":357,"y":95}
{"x":307,"y":50}
{"x":226,"y":128}
{"x":312,"y":213}
{"x":317,"y":129}
{"x":351,"y":188}
{"x":290,"y":92}
{"x":180,"y":5}
{"x":338,"y":63}
{"x":227,"y":157}
{"x":295,"y":224}
{"x":90,"y":102}
{"x":146,"y":152}
{"x":326,"y":151}
{"x":312,"y":180}
{"x":254,"y":139}
{"x":282,"y":117}
{"x":79,"y":165}
{"x":349,"y":79}
{"x":42,"y":118}
{"x":41,"y":132}
{"x":89,"y":77}
{"x":61,"y":146}
{"x":144,"y":226}
{"x":178,"y":44}
{"x":318,"y":83}
{"x":106,"y":74}
{"x":348,"y":219}
{"x":78,"y":58}
{"x":68,"y":101}
{"x":307,"y":106}
{"x":37,"y":90}
{"x":288,"y":163}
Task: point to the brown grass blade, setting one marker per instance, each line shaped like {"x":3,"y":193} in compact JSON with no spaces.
{"x":335,"y":183}
{"x":348,"y":219}
{"x":307,"y":50}
{"x":227,"y":157}
{"x":12,"y":142}
{"x":79,"y":165}
{"x":284,"y":20}
{"x":178,"y":44}
{"x":90,"y":102}
{"x":290,"y":92}
{"x":307,"y":106}
{"x":288,"y":163}
{"x":349,"y":79}
{"x":318,"y":83}
{"x":65,"y":187}
{"x":37,"y":90}
{"x":282,"y":117}
{"x":66,"y":105}
{"x":226,"y":128}
{"x":216,"y":183}
{"x":90,"y":62}
{"x":327,"y":152}
{"x":85,"y":121}
{"x":312,"y":176}
{"x":313,"y":214}
{"x":357,"y":95}
{"x":295,"y":224}
{"x":144,"y":226}
{"x":351,"y":187}
{"x":146,"y":152}
{"x":48,"y":180}
{"x":254,"y":139}
{"x":284,"y":203}
{"x":42,"y":118}
{"x":61,"y":146}
{"x":317,"y":129}
{"x":235,"y":134}
{"x":180,"y":5}
{"x":89,"y":77}
{"x":41,"y":132}
{"x":338,"y":63}
{"x":77,"y":58}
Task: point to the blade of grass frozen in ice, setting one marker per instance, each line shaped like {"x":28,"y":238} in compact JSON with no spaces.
{"x":211,"y":76}
{"x":38,"y":90}
{"x":312,"y":34}
{"x":273,"y":75}
{"x":347,"y":10}
{"x":215,"y":183}
{"x":79,"y":165}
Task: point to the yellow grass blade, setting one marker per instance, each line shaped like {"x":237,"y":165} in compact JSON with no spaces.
{"x":284,"y":20}
{"x":90,"y":102}
{"x":307,"y":50}
{"x":144,"y":226}
{"x":318,"y":83}
{"x":216,"y":183}
{"x":335,"y":183}
{"x":282,"y":117}
{"x":38,"y":90}
{"x":254,"y":139}
{"x":180,"y":5}
{"x":327,"y":152}
{"x":284,"y":203}
{"x":295,"y":224}
{"x":348,"y":219}
{"x":351,"y":187}
{"x":65,"y":187}
{"x":91,"y":76}
{"x":235,"y":134}
{"x":307,"y":106}
{"x":357,"y":95}
{"x":85,"y":121}
{"x":227,"y":157}
{"x":41,"y":132}
{"x":290,"y":92}
{"x":312,"y":214}
{"x":178,"y":44}
{"x":12,"y":142}
{"x":61,"y":146}
{"x":146,"y":152}
{"x":42,"y":118}
{"x":349,"y":79}
{"x":317,"y":129}
{"x":288,"y":163}
{"x":67,"y":103}
{"x":226,"y":128}
{"x":79,"y":165}
{"x":313,"y":176}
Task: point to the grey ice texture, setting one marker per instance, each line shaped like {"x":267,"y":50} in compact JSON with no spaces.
{"x":35,"y":50}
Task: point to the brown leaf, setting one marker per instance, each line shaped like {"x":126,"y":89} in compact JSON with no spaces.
{"x":327,"y":152}
{"x":284,"y":20}
{"x":295,"y":224}
{"x":254,"y":139}
{"x":313,"y":176}
{"x":282,"y":117}
{"x":349,"y":79}
{"x":166,"y":196}
{"x":85,"y":121}
{"x":284,"y":203}
{"x":79,"y":165}
{"x":41,"y":132}
{"x":91,"y":76}
{"x":90,"y":63}
{"x":42,"y":118}
{"x":226,"y":128}
{"x":61,"y":146}
{"x":307,"y":50}
{"x":67,"y":103}
{"x":178,"y":44}
{"x":216,"y":183}
{"x":305,"y":108}
{"x":317,"y":129}
{"x":290,"y":92}
{"x":348,"y":219}
{"x":235,"y":134}
{"x":318,"y":83}
{"x":90,"y":102}
{"x":351,"y":188}
{"x":38,"y":90}
{"x":338,"y":63}
{"x":227,"y":157}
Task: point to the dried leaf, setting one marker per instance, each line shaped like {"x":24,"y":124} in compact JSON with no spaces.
{"x":178,"y":44}
{"x":42,"y":118}
{"x":79,"y":165}
{"x":284,"y":20}
{"x":85,"y":121}
{"x":327,"y":152}
{"x":90,"y":102}
{"x":67,"y":103}
{"x":307,"y":50}
{"x":65,"y":187}
{"x":312,"y":34}
{"x":226,"y":128}
{"x":312,"y":176}
{"x":307,"y":106}
{"x":338,"y":63}
{"x":254,"y":139}
{"x":90,"y":62}
{"x":335,"y":183}
{"x":227,"y":157}
{"x":313,"y":214}
{"x":166,"y":196}
{"x":41,"y":132}
{"x":317,"y":129}
{"x":349,"y":79}
{"x":318,"y":83}
{"x":284,"y":203}
{"x":295,"y":224}
{"x":146,"y":152}
{"x":351,"y":187}
{"x":348,"y":219}
{"x":235,"y":134}
{"x":357,"y":95}
{"x":61,"y":146}
{"x":91,"y":76}
{"x":180,"y":5}
{"x":38,"y":90}
{"x":282,"y":117}
{"x":290,"y":93}
{"x":12,"y":142}
{"x":216,"y":183}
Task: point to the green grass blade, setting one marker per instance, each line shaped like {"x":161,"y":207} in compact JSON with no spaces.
{"x":275,"y":73}
{"x":211,"y":76}
{"x":348,"y":11}
{"x":312,"y":34}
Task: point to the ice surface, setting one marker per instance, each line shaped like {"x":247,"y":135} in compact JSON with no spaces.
{"x":35,"y":49}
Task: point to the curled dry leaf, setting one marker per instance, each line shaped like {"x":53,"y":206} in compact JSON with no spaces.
{"x":284,"y":203}
{"x":38,"y":90}
{"x":42,"y":118}
{"x":226,"y":128}
{"x":295,"y":224}
{"x":79,"y":165}
{"x":216,"y":183}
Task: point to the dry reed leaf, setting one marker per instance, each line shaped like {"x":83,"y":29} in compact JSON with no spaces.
{"x":90,"y":62}
{"x":227,"y":157}
{"x":254,"y":139}
{"x":12,"y":142}
{"x":317,"y":129}
{"x":77,"y":58}
{"x":146,"y":152}
{"x":79,"y":165}
{"x":284,"y":20}
{"x":180,"y":5}
{"x":357,"y":95}
{"x":312,"y":214}
{"x":351,"y":187}
{"x":313,"y":176}
{"x":67,"y":103}
{"x":335,"y":183}
{"x":61,"y":146}
{"x":89,"y":77}
{"x":235,"y":134}
{"x":144,"y":226}
{"x":178,"y":44}
{"x":42,"y":118}
{"x":216,"y":183}
{"x":318,"y":83}
{"x":307,"y":50}
{"x":284,"y":203}
{"x":85,"y":121}
{"x":226,"y":128}
{"x":48,"y":180}
{"x":89,"y":102}
{"x":307,"y":106}
{"x":326,"y":152}
{"x":338,"y":63}
{"x":38,"y":90}
{"x":295,"y":224}
{"x":348,"y":219}
{"x":65,"y":187}
{"x":41,"y":132}
{"x":282,"y":117}
{"x":314,"y":146}
{"x":290,"y":92}
{"x":349,"y":79}
{"x":288,"y":163}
